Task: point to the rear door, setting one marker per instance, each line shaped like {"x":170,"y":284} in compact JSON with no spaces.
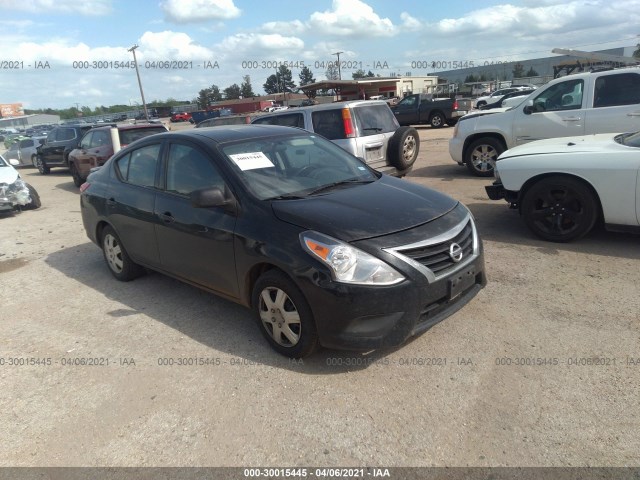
{"x":131,"y":200}
{"x":616,"y":104}
{"x":195,"y":243}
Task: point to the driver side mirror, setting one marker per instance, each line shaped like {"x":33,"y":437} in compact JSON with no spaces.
{"x":210,"y":197}
{"x":528,"y":108}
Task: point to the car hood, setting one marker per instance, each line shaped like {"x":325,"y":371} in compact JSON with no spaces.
{"x":8,"y":174}
{"x":579,"y":144}
{"x":356,"y":212}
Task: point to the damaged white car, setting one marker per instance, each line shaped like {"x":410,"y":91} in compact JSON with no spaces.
{"x":15,"y":193}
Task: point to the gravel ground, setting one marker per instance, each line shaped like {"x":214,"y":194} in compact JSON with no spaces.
{"x":542,"y":368}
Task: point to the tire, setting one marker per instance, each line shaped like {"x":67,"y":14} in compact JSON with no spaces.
{"x":560,"y":209}
{"x":120,"y":264}
{"x":77,"y":179}
{"x":481,"y":104}
{"x":275,"y":299}
{"x":403,"y":148}
{"x":34,"y":160}
{"x":481,"y":156}
{"x":437,"y":120}
{"x":35,"y":199}
{"x":42,"y":166}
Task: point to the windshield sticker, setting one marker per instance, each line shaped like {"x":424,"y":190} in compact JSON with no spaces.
{"x":251,"y":161}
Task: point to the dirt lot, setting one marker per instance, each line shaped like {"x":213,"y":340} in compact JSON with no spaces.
{"x":541,"y":369}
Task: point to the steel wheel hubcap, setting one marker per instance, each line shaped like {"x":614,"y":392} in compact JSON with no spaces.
{"x":409,"y":147}
{"x":280,"y":317}
{"x":113,"y":253}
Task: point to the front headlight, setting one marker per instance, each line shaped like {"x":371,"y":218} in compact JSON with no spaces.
{"x":349,"y":264}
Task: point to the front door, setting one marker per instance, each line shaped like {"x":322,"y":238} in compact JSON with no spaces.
{"x":196,"y":244}
{"x":558,"y":111}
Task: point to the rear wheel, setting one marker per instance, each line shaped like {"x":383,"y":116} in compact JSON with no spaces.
{"x":34,"y":160}
{"x":481,"y":156}
{"x":284,"y":316}
{"x":117,"y":258}
{"x":437,"y":120}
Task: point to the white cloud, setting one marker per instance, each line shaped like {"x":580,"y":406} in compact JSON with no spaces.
{"x":294,"y":27}
{"x":410,"y":23}
{"x":257,"y":44}
{"x":170,"y":45}
{"x":84,"y":7}
{"x":351,"y":18}
{"x":189,"y":11}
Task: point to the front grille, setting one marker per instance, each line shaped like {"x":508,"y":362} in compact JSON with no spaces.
{"x":436,"y":256}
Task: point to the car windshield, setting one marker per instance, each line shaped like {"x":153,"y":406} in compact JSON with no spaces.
{"x":629,"y":139}
{"x":286,"y":167}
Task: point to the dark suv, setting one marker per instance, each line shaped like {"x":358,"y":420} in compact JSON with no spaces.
{"x":365,"y":128}
{"x":96,"y":147}
{"x":54,"y":152}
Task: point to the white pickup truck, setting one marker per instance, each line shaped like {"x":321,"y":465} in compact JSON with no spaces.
{"x":581,"y":104}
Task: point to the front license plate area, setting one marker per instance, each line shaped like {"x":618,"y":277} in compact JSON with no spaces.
{"x":461,"y":281}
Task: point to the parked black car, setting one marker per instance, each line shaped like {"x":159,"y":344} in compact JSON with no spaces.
{"x":324,"y":249}
{"x":54,"y":152}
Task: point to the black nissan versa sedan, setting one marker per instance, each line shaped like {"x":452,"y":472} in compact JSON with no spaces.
{"x":325,"y":250}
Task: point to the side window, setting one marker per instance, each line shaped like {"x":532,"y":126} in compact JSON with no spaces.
{"x":617,"y":89}
{"x":189,"y":169}
{"x":66,"y":134}
{"x":141,"y":169}
{"x":561,"y":96}
{"x":100,"y":138}
{"x":329,"y":124}
{"x":122,"y":165}
{"x":85,"y":143}
{"x":26,"y":143}
{"x":287,"y":120}
{"x":52,"y":136}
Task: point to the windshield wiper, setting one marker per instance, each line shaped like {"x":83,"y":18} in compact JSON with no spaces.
{"x":285,"y":197}
{"x":351,"y":181}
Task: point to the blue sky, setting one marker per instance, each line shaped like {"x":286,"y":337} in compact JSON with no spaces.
{"x":245,"y":37}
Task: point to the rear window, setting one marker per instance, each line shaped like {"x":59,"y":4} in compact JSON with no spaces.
{"x":285,"y":120}
{"x":130,"y":136}
{"x":375,"y":119}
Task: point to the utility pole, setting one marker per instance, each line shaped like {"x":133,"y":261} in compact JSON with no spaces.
{"x":135,"y":61}
{"x":339,"y":74}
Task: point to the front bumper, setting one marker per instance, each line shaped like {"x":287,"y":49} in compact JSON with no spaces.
{"x":364,"y":318}
{"x":456,"y":147}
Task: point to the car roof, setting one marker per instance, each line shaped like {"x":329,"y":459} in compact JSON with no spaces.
{"x":230,"y":133}
{"x":132,"y":126}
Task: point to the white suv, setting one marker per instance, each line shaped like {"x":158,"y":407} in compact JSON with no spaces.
{"x":581,"y":104}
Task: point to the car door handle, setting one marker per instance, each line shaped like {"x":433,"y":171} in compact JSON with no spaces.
{"x":373,"y":145}
{"x":111,"y":201}
{"x":571,"y":119}
{"x":167,"y":217}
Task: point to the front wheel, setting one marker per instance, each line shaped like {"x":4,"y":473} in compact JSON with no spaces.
{"x":481,"y":156}
{"x":284,"y":316}
{"x":117,"y":258}
{"x":77,"y":178}
{"x":42,"y":167}
{"x":35,"y":199}
{"x":559,"y":209}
